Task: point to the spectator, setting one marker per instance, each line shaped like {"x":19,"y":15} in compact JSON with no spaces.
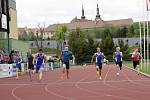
{"x":51,"y":62}
{"x":5,"y":58}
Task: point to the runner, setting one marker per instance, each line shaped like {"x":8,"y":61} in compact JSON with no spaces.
{"x":30,"y":63}
{"x":99,"y":61}
{"x":66,"y":56}
{"x":18,"y":62}
{"x":118,"y":58}
{"x":51,"y":63}
{"x":40,"y":57}
{"x":136,"y":59}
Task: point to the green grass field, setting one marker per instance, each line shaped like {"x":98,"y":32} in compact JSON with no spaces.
{"x":143,"y":69}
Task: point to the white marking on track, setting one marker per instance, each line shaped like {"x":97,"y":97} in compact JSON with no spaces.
{"x":104,"y":94}
{"x":14,"y":90}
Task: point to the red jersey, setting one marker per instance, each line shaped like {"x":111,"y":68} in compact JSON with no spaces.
{"x":136,"y":56}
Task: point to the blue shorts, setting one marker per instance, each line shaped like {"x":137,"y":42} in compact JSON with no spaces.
{"x":99,"y":65}
{"x":66,"y":65}
{"x":39,"y":67}
{"x":18,"y":66}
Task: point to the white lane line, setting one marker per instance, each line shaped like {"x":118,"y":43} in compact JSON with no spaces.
{"x":118,"y":88}
{"x":56,"y":94}
{"x":61,"y":96}
{"x":14,"y":90}
{"x":140,"y":84}
{"x":106,"y":74}
{"x":104,"y":94}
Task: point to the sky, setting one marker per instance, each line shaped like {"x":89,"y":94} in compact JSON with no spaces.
{"x":30,"y":13}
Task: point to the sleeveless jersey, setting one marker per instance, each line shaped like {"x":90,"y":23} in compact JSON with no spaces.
{"x":136,"y":57}
{"x":99,"y":57}
{"x":39,"y":60}
{"x":118,"y":57}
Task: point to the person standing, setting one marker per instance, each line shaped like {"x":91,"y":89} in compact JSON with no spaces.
{"x":65,"y":57}
{"x":51,"y":62}
{"x":99,"y":57}
{"x":118,"y":58}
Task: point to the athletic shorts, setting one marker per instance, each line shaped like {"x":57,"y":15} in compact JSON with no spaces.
{"x":18,"y":66}
{"x":135,"y":63}
{"x":99,"y":66}
{"x":66,"y":65}
{"x":39,"y":68}
{"x":31,"y":66}
{"x":119,"y":63}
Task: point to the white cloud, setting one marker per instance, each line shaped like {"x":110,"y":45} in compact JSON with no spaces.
{"x":32,"y":12}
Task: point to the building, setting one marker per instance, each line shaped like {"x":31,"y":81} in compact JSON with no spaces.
{"x":86,"y":24}
{"x":83,"y":24}
{"x":34,"y":31}
{"x":13,"y":19}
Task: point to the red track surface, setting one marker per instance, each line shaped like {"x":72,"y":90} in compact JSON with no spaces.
{"x":83,"y":85}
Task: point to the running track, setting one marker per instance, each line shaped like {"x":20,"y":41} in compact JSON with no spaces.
{"x":83,"y":85}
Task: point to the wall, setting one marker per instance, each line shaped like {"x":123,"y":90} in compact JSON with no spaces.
{"x":13,"y":24}
{"x":21,"y":46}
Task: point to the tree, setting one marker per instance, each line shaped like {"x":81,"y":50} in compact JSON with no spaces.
{"x":122,"y":32}
{"x":36,"y":40}
{"x":90,"y":48}
{"x":39,"y":36}
{"x":131,"y":31}
{"x":31,"y":36}
{"x":125,"y":49}
{"x":82,"y":46}
{"x":41,"y":31}
{"x":77,"y":43}
{"x":23,"y":36}
{"x":107,"y":44}
{"x":60,"y":36}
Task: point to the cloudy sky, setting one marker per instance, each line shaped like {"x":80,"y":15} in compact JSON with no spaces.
{"x":32,"y":12}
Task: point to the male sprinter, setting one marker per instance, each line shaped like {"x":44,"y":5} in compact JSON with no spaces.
{"x":40,"y":63}
{"x":66,"y":56}
{"x":30,"y":63}
{"x":118,"y":58}
{"x":99,"y":61}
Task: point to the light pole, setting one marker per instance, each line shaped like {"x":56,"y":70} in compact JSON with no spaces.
{"x":8,"y":19}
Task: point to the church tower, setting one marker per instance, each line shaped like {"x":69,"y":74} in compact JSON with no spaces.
{"x":98,"y":16}
{"x":83,"y":16}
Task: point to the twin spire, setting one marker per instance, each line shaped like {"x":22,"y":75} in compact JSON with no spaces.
{"x":83,"y":17}
{"x":98,"y":16}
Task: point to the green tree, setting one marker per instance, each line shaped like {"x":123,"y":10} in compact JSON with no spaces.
{"x":107,"y":44}
{"x":60,"y":36}
{"x":131,"y":31}
{"x":77,"y":43}
{"x":125,"y":49}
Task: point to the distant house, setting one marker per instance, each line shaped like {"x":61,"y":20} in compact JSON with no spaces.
{"x":85,"y":24}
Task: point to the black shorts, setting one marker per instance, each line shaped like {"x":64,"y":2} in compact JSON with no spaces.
{"x":135,"y":63}
{"x":66,"y":65}
{"x":31,"y":66}
{"x":119,"y":63}
{"x":99,"y":66}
